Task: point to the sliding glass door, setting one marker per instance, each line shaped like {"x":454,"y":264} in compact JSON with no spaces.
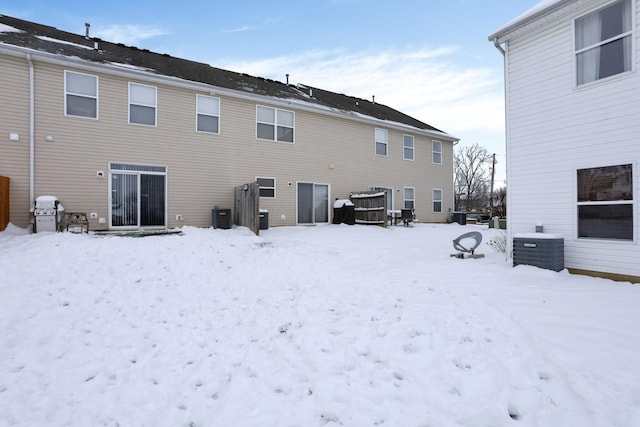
{"x":138,"y":196}
{"x":313,"y":203}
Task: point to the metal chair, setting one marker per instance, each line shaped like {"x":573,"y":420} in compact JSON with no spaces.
{"x":473,"y":235}
{"x":406,"y":215}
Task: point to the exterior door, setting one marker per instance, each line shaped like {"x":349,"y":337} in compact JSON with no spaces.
{"x":313,"y":203}
{"x":138,"y":196}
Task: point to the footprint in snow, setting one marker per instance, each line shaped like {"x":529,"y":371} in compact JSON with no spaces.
{"x":513,"y":412}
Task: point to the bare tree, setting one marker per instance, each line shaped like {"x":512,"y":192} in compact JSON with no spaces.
{"x":500,"y":202}
{"x":471,"y":181}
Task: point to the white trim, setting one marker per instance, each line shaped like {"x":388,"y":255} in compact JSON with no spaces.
{"x":164,"y":173}
{"x":620,"y":36}
{"x":66,"y":92}
{"x":635,"y":187}
{"x":275,"y":124}
{"x":267,"y":188}
{"x":433,"y":152}
{"x":329,"y":204}
{"x":198,"y":113}
{"x":413,"y":147}
{"x":385,"y":142}
{"x":155,"y":106}
{"x":433,"y":200}
{"x":404,"y":197}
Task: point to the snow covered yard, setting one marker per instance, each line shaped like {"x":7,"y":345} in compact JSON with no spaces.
{"x":307,"y":326}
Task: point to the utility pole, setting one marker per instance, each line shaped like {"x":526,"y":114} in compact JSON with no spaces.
{"x":493,"y":174}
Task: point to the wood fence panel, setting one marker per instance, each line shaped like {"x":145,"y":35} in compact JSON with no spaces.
{"x":246,"y":209}
{"x":4,"y":202}
{"x":370,"y":207}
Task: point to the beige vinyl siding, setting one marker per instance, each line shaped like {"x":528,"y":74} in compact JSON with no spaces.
{"x":204,"y":168}
{"x":14,"y":118}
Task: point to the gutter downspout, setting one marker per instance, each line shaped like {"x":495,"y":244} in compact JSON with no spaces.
{"x":497,"y":45}
{"x":31,"y":130}
{"x":503,"y":51}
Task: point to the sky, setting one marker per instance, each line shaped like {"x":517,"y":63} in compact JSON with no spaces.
{"x":429,"y":59}
{"x":206,"y":328}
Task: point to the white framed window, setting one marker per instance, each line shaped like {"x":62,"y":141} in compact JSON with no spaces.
{"x":80,"y":95}
{"x":381,"y":137}
{"x":275,"y":124}
{"x":605,"y":202}
{"x":408,"y":147}
{"x":207,"y":114}
{"x":436,"y":150}
{"x":142,"y":104}
{"x":409,"y":197}
{"x":437,"y":200}
{"x":267,"y":187}
{"x":603,"y":42}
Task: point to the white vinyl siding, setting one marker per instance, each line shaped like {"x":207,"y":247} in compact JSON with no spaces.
{"x":274,"y":124}
{"x":554,"y":129}
{"x":142,"y":104}
{"x":381,"y":138}
{"x":81,"y":95}
{"x":408,"y":142}
{"x":208,"y":114}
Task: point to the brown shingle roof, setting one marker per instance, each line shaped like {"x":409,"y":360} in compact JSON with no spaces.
{"x":49,"y":39}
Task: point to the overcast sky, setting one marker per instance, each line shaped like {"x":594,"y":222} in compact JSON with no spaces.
{"x":429,"y":59}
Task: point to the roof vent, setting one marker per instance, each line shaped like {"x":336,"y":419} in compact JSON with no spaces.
{"x":87,"y":25}
{"x":373,"y":99}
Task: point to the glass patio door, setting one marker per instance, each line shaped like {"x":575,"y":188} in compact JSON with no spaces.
{"x":152,"y":205}
{"x":138,"y":199}
{"x":313,"y":203}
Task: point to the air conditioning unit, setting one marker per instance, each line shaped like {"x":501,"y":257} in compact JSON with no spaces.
{"x":544,"y":250}
{"x":221,"y":218}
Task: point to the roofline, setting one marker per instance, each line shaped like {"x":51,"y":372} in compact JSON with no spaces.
{"x":122,"y":71}
{"x":527,"y":18}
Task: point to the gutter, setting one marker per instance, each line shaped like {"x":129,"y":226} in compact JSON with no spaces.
{"x":31,"y":130}
{"x":148,"y":76}
{"x":497,"y":45}
{"x":543,"y":9}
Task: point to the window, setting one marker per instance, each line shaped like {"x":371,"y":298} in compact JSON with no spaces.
{"x":208,"y":114}
{"x":381,"y":142}
{"x":274,"y":124}
{"x":437,"y":200}
{"x":436,"y":149}
{"x":407,"y":143}
{"x":267,"y":187}
{"x":603,"y":42}
{"x":409,"y":197}
{"x":81,"y":95}
{"x":605,"y":202}
{"x":142,"y":104}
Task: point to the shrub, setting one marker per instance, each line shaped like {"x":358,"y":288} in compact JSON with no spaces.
{"x":499,"y":242}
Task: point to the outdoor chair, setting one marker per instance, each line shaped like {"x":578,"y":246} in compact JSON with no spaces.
{"x":406,"y":215}
{"x":471,"y":242}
